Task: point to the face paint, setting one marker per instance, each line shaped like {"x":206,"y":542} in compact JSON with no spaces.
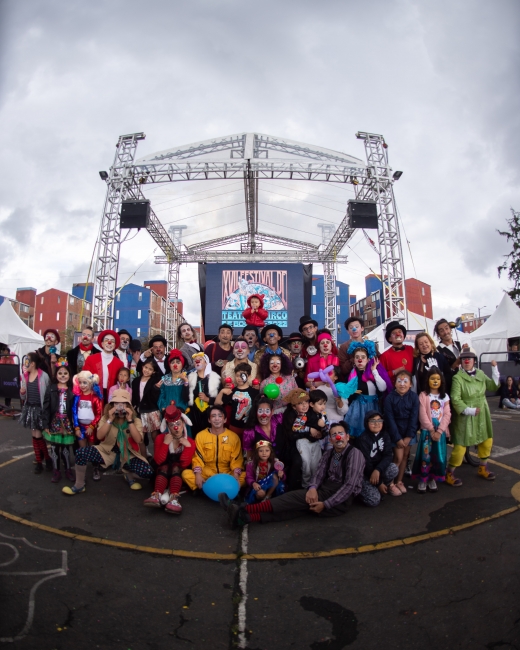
{"x":109,"y":343}
{"x":243,"y":377}
{"x":124,"y":343}
{"x":434,"y":382}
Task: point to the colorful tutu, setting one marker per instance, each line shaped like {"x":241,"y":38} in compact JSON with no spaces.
{"x":61,"y":431}
{"x":151,"y":421}
{"x":430,"y":458}
{"x":265,"y":484}
{"x":31,"y":417}
{"x":355,"y":416}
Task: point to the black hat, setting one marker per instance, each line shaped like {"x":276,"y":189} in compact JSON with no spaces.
{"x":305,"y":320}
{"x":156,"y":339}
{"x":125,"y":332}
{"x":253,"y":328}
{"x":293,"y":336}
{"x":135,"y":345}
{"x":271,"y":327}
{"x":467,"y":353}
{"x":394,"y":325}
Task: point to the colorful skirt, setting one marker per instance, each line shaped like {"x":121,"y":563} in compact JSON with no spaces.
{"x":430,"y":458}
{"x":60,"y":432}
{"x":355,"y":416}
{"x":31,"y":417}
{"x":266,"y":484}
{"x":151,"y":421}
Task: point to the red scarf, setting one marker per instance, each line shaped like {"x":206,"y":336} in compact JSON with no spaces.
{"x":86,"y":348}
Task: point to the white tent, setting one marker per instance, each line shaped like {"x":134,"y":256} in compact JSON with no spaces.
{"x":416,"y":323}
{"x":20,"y":338}
{"x":503,"y":324}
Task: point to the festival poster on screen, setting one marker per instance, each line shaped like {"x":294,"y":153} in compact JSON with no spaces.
{"x":239,"y":285}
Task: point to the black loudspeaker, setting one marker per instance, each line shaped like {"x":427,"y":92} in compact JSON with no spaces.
{"x":135,"y":214}
{"x":362,"y":214}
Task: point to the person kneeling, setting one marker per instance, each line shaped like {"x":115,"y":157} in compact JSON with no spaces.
{"x":264,"y":474}
{"x":173,"y":452}
{"x":375,"y":445}
{"x":120,"y":433}
{"x":338,"y":480}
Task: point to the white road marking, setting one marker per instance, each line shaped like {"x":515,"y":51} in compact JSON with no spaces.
{"x":504,"y":451}
{"x":49,"y":575}
{"x":7,"y":448}
{"x":242,"y":641}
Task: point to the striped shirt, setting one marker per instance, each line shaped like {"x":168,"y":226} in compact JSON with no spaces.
{"x":33,"y":393}
{"x":350,"y":484}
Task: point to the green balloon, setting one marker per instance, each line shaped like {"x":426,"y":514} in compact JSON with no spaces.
{"x":272,"y":391}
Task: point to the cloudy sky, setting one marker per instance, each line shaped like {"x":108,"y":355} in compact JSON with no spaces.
{"x":440,"y":80}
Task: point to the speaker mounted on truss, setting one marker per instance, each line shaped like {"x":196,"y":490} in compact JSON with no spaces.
{"x":135,"y":214}
{"x":362,"y":214}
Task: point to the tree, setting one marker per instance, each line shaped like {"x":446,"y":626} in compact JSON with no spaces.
{"x":512,"y":263}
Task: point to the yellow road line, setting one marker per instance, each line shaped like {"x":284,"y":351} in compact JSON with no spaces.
{"x":199,"y":555}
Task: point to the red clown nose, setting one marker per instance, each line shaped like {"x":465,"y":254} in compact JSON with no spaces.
{"x":338,"y":437}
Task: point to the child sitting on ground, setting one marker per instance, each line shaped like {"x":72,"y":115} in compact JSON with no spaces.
{"x":264,"y":474}
{"x":123,"y":382}
{"x":239,"y":397}
{"x":401,"y":417}
{"x":379,"y":473}
{"x":434,"y":417}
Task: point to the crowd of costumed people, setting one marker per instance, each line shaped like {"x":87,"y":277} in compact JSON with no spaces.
{"x":271,"y":426}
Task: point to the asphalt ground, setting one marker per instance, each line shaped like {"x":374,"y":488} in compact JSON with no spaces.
{"x":433,"y":571}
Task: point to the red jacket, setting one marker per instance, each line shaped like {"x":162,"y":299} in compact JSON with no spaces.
{"x":161,"y":450}
{"x":94,"y":364}
{"x":257,"y":318}
{"x":393,"y":359}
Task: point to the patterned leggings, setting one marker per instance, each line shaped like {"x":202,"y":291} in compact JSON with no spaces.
{"x":58,"y":451}
{"x":137,"y":466}
{"x":370,"y":494}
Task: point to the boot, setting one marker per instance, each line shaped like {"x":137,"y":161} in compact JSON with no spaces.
{"x":485,"y":473}
{"x":452,"y":480}
{"x":56,"y":476}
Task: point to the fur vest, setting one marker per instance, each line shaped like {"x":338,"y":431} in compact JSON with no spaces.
{"x":213,"y":382}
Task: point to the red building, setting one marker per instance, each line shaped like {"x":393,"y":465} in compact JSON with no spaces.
{"x":470,"y":322}
{"x":61,"y":311}
{"x":419,"y":297}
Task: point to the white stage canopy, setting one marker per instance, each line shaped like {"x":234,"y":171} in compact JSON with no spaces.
{"x":502,"y":325}
{"x":20,"y":338}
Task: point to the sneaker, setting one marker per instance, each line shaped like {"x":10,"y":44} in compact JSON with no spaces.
{"x":452,"y":480}
{"x":48,"y":465}
{"x":421,"y":488}
{"x":408,"y":470}
{"x":96,"y":474}
{"x":38,"y":468}
{"x":153,"y":501}
{"x":224,"y":500}
{"x":56,"y":476}
{"x":132,"y":483}
{"x":70,"y":475}
{"x":485,"y":473}
{"x":432,"y":485}
{"x":71,"y":491}
{"x":173,"y":506}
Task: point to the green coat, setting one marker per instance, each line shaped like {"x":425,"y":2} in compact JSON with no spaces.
{"x":470,"y":391}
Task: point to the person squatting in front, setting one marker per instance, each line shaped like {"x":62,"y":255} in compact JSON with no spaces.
{"x":471,"y":415}
{"x":338,"y":480}
{"x":173,"y":453}
{"x":120,"y":432}
{"x":217,"y":451}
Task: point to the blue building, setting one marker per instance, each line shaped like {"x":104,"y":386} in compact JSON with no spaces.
{"x":342,"y":305}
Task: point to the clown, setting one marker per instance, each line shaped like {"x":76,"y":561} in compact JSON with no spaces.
{"x":173,"y":453}
{"x":309,"y":330}
{"x":173,"y":383}
{"x":203,"y":388}
{"x":77,"y":356}
{"x":107,"y":364}
{"x":264,"y":475}
{"x":87,"y":407}
{"x":327,"y":356}
{"x":367,"y":380}
{"x":399,"y":356}
{"x":240,"y":355}
{"x":255,"y":314}
{"x":47,"y":353}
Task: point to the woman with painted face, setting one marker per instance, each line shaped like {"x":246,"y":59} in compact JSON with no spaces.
{"x":107,"y":364}
{"x":327,"y":356}
{"x":355,"y":328}
{"x":278,"y":370}
{"x":34,"y":388}
{"x":172,"y":387}
{"x":47,"y":354}
{"x":240,"y":355}
{"x":173,"y":453}
{"x":186,"y":334}
{"x":426,"y":356}
{"x":262,"y":424}
{"x":429,"y":467}
{"x":471,"y":415}
{"x":120,"y":433}
{"x":201,"y":392}
{"x":58,"y":423}
{"x":145,"y":395}
{"x":87,"y":409}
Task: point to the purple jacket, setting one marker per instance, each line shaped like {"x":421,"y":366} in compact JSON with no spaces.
{"x":249,"y":435}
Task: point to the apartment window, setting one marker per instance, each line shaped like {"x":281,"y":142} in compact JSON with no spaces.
{"x":40,"y":332}
{"x":313,"y":289}
{"x":338,"y":309}
{"x":117,"y":314}
{"x":147,"y":286}
{"x":140,"y":297}
{"x":424,"y":308}
{"x":422,"y":290}
{"x":88,"y":306}
{"x":41,"y":301}
{"x":70,"y":318}
{"x":59,"y":299}
{"x":337,"y":291}
{"x":314,"y":310}
{"x":41,"y":318}
{"x":118,"y":297}
{"x":138,"y":313}
{"x":57,"y":316}
{"x":138,"y":332}
{"x":71,"y":300}
{"x":117,"y":328}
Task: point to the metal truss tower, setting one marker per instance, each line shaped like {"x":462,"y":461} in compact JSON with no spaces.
{"x":380,"y":189}
{"x":329,"y":282}
{"x":172,"y":312}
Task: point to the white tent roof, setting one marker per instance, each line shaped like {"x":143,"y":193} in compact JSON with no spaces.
{"x":503,"y":324}
{"x":415,"y":323}
{"x":20,"y":338}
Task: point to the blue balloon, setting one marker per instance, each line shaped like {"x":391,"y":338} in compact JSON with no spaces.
{"x":221,"y":483}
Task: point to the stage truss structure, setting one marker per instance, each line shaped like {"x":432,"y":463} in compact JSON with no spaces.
{"x":250,"y":157}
